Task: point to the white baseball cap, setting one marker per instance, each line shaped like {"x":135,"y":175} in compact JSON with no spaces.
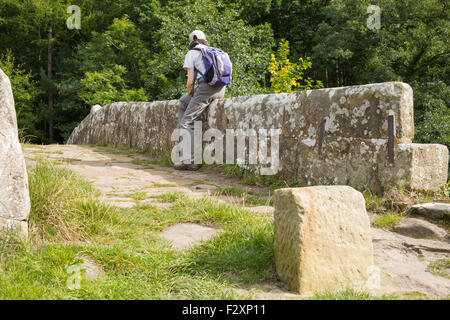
{"x":196,"y":34}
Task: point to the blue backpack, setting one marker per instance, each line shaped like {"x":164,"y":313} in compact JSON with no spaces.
{"x":217,"y":65}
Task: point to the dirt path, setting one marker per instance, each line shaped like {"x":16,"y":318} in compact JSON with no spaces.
{"x":127,"y":179}
{"x":123,"y":178}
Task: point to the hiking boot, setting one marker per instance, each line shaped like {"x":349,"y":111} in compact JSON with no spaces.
{"x":187,"y":166}
{"x":181,"y":166}
{"x":193,"y":167}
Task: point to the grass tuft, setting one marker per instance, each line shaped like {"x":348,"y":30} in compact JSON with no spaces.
{"x":170,"y":197}
{"x":440,"y":267}
{"x":248,"y":199}
{"x":230,"y":191}
{"x":388,"y":220}
{"x":162,"y":185}
{"x":137,"y":195}
{"x":63,"y":205}
{"x":137,"y":161}
{"x":349,"y":294}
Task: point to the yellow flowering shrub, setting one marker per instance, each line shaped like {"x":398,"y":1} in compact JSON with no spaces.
{"x":286,"y":76}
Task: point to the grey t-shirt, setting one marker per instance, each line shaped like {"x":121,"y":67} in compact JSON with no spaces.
{"x":194,"y":59}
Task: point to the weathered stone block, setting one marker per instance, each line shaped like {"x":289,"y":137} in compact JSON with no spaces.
{"x":355,"y":112}
{"x":433,"y":210}
{"x":419,"y":166}
{"x":14,"y":194}
{"x":139,"y":125}
{"x":322,"y":238}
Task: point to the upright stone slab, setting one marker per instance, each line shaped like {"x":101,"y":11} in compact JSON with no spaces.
{"x":322,"y":238}
{"x":14,"y":193}
{"x":420,"y":166}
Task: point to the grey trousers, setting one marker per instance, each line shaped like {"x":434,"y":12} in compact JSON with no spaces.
{"x":192,"y":107}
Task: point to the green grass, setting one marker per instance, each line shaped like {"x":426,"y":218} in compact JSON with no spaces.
{"x":170,"y":196}
{"x":230,"y":191}
{"x":115,"y":150}
{"x":444,"y":223}
{"x":137,"y":195}
{"x":28,"y":145}
{"x":196,"y":183}
{"x":444,"y":191}
{"x":70,"y":160}
{"x":162,"y":185}
{"x":159,"y":158}
{"x":48,"y":152}
{"x":152,"y":161}
{"x":63,"y":205}
{"x":142,"y":273}
{"x":137,"y":161}
{"x":440,"y":267}
{"x":388,"y":220}
{"x":250,"y":178}
{"x":242,"y":252}
{"x":414,"y":296}
{"x":146,"y":163}
{"x":374,"y":202}
{"x":248,"y":198}
{"x":252,"y":201}
{"x":350,"y":294}
{"x":125,"y":244}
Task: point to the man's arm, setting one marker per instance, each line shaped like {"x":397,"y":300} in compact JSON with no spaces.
{"x":190,"y":80}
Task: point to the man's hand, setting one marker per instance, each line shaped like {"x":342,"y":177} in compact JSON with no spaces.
{"x":190,"y":80}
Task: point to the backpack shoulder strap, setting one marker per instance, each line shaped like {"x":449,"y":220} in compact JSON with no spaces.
{"x":198,"y":72}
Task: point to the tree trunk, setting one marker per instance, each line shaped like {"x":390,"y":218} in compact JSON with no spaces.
{"x":40,"y":46}
{"x":337,"y":73}
{"x":49,"y":75}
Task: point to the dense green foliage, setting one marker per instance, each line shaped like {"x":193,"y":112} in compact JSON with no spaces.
{"x":25,"y":92}
{"x":133,"y":50}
